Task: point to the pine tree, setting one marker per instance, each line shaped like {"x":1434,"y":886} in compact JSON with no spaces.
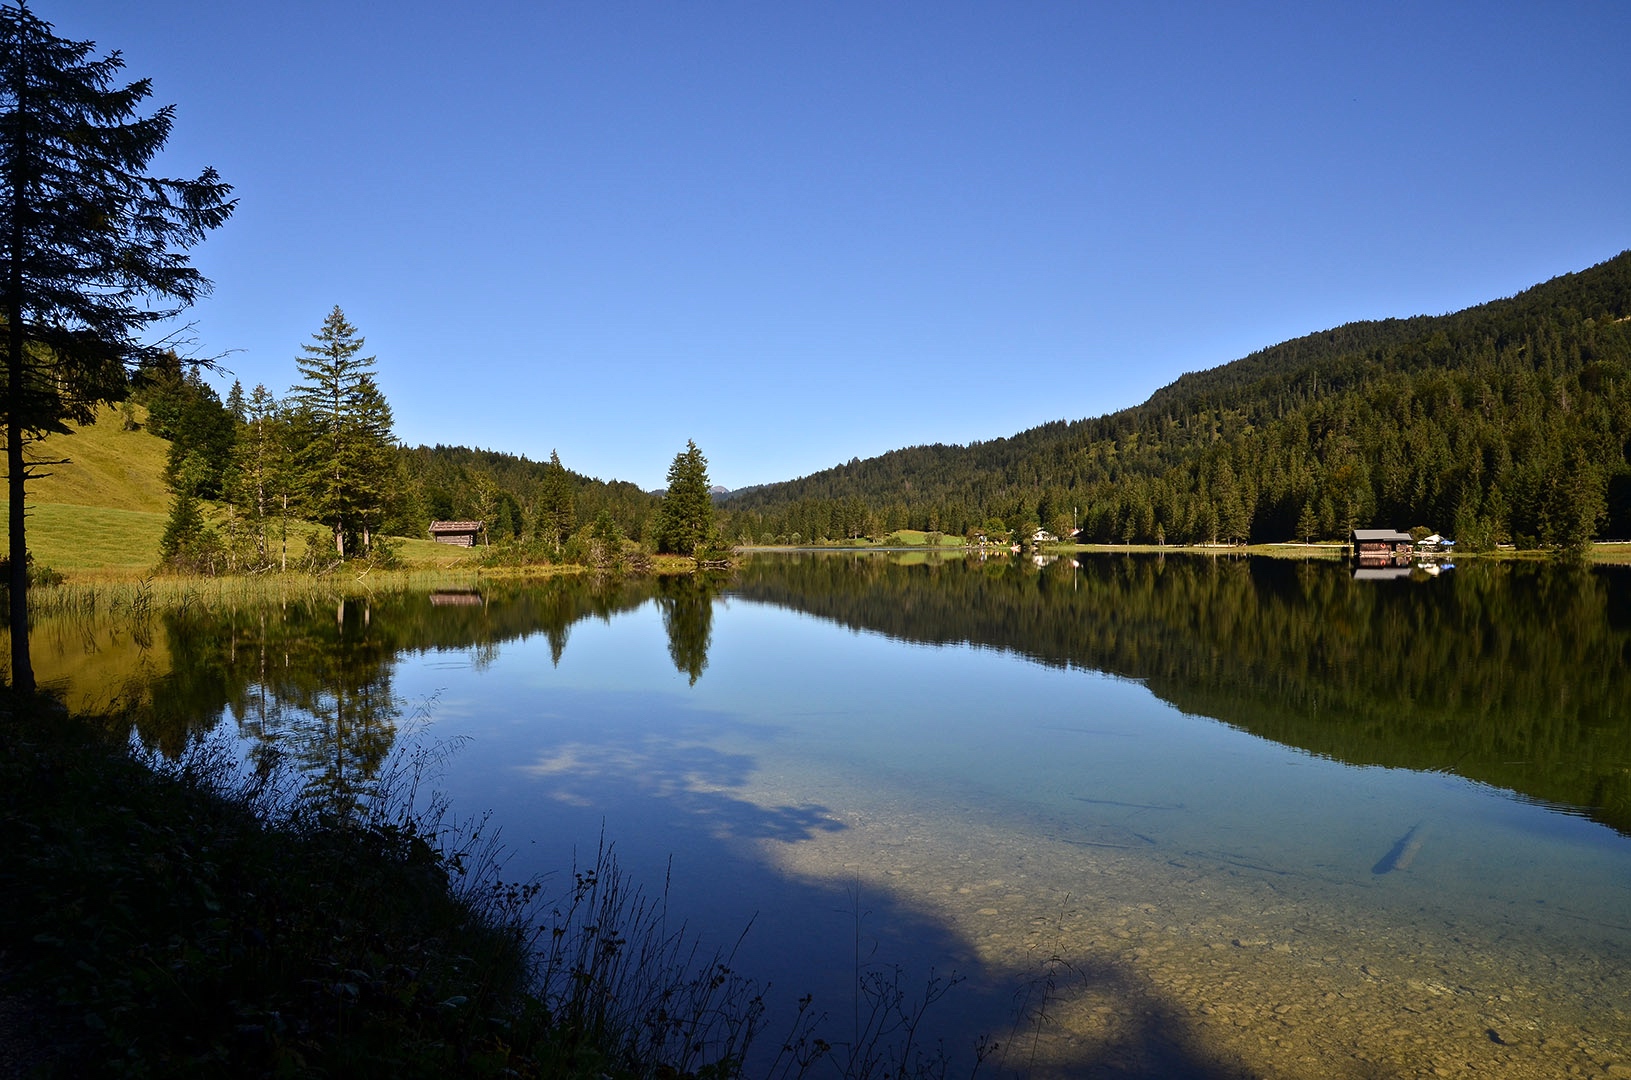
{"x":348,"y":463}
{"x":235,"y":401}
{"x":182,"y":528}
{"x":91,"y":249}
{"x":372,"y":460}
{"x":1306,"y":523}
{"x":556,"y":518}
{"x":687,"y":523}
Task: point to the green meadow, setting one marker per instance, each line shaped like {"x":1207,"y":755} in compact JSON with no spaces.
{"x":100,"y":508}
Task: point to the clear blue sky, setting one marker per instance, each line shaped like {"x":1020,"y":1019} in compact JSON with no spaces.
{"x":801,"y":232}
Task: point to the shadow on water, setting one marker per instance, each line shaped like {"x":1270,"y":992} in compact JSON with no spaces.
{"x":313,"y":684}
{"x":668,"y":805}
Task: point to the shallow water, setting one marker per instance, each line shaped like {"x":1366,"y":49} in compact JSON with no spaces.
{"x":1165,"y":817}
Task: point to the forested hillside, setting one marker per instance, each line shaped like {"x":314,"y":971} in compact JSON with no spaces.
{"x":512,"y":493}
{"x":326,"y":453}
{"x":1506,"y":421}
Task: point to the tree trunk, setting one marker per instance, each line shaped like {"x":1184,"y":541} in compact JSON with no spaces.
{"x":22,"y":667}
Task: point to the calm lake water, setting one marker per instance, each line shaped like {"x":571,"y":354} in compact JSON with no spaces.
{"x":1165,"y":816}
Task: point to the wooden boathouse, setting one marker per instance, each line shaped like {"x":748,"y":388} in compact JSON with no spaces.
{"x":1380,"y":543}
{"x":457,"y":533}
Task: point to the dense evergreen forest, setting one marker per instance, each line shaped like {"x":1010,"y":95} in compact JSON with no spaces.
{"x":1509,"y":422}
{"x":511,"y":492}
{"x":1506,"y":422}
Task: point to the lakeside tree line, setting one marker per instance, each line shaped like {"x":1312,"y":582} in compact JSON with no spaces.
{"x":325,"y":452}
{"x":1506,"y":422}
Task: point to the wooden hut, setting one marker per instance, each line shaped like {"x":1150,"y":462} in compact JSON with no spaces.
{"x":1380,"y":543}
{"x":457,"y":533}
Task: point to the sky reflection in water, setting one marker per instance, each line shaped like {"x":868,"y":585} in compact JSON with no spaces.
{"x":800,"y":731}
{"x":880,"y":764}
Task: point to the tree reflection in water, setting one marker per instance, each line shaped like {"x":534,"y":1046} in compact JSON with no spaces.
{"x":1507,"y":673}
{"x":688,"y":618}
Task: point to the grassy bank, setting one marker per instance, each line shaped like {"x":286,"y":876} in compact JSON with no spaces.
{"x":1617,"y":552}
{"x":190,"y":921}
{"x":166,"y":929}
{"x":110,"y":543}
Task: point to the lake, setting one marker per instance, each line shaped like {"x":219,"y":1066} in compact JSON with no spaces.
{"x":1161,"y":816}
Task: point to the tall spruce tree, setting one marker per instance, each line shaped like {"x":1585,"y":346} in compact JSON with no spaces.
{"x":92,"y":249}
{"x":556,"y":512}
{"x":347,"y":464}
{"x":687,"y":522}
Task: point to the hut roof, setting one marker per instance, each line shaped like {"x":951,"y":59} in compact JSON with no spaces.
{"x":456,"y":526}
{"x":1380,"y":536}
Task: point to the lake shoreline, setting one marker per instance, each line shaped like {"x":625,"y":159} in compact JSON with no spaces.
{"x":163,"y":922}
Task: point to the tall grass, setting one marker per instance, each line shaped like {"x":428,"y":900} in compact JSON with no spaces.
{"x":141,"y":597}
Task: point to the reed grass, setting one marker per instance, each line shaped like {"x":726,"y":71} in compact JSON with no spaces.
{"x":78,"y":596}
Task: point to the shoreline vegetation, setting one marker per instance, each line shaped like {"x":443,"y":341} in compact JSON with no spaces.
{"x":1607,"y":551}
{"x":461,"y":567}
{"x":190,"y":919}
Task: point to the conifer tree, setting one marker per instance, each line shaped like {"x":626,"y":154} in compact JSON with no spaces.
{"x":372,"y":460}
{"x":259,"y":469}
{"x":347,"y":464}
{"x":556,"y":512}
{"x":688,"y":509}
{"x":1306,"y":523}
{"x":92,"y":249}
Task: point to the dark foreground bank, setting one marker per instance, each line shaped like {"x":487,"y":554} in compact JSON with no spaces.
{"x":194,"y":922}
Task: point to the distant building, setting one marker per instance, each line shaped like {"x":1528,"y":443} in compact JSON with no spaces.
{"x":457,"y":533}
{"x":1380,"y":543}
{"x":1043,"y":536}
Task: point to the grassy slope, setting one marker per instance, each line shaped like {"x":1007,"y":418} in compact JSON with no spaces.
{"x":105,"y":506}
{"x":108,"y":466}
{"x":105,"y":509}
{"x":74,"y":538}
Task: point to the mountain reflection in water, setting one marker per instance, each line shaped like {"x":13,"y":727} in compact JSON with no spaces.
{"x":962,"y":807}
{"x":1511,"y":674}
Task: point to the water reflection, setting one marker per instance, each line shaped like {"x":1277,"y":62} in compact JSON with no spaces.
{"x":1509,"y":674}
{"x":1512,"y":674}
{"x":688,"y":617}
{"x":987,"y":814}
